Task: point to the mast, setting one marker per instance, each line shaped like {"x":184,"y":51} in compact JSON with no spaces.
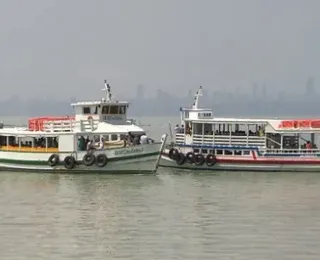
{"x":196,"y":98}
{"x":107,"y":89}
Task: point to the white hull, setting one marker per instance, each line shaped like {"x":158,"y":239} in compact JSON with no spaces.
{"x":288,"y":165}
{"x":135,"y":159}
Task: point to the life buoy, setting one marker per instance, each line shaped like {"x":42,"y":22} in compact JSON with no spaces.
{"x":101,"y":160}
{"x":88,"y":159}
{"x":173,"y":153}
{"x":199,"y":159}
{"x":69,"y":162}
{"x":211,"y":160}
{"x":190,"y":157}
{"x":53,"y":160}
{"x":180,"y":158}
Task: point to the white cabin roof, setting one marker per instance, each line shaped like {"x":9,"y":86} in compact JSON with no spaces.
{"x":104,"y":127}
{"x":99,"y":102}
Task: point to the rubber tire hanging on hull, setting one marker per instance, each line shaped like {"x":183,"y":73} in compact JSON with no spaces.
{"x":69,"y":162}
{"x":211,"y":160}
{"x":53,"y":160}
{"x":199,"y":159}
{"x":190,"y":157}
{"x":180,"y":159}
{"x":101,"y":160}
{"x":88,"y":159}
{"x":173,"y":153}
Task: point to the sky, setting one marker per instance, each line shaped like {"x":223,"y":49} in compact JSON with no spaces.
{"x":66,"y":48}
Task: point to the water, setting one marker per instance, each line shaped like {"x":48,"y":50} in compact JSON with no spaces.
{"x":171,"y":215}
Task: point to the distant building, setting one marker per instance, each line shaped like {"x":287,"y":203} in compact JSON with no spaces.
{"x":140,"y":92}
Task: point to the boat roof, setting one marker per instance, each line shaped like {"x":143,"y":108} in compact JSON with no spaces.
{"x":99,"y":102}
{"x":103,"y":128}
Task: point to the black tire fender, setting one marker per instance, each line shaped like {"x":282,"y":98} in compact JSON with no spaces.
{"x":101,"y":160}
{"x":53,"y":160}
{"x":69,"y":162}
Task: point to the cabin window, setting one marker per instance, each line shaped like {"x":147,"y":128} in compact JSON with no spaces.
{"x":113,"y":110}
{"x":186,"y":114}
{"x":105,"y":110}
{"x":122,"y":110}
{"x":114,"y":137}
{"x":237,"y":152}
{"x":205,"y":151}
{"x":86,"y":110}
{"x":208,"y":129}
{"x":197,"y":129}
{"x":246,"y":152}
{"x":106,"y":137}
{"x":196,"y":150}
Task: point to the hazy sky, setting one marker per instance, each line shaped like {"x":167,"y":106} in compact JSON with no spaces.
{"x":67,"y":47}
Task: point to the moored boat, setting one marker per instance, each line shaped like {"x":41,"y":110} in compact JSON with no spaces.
{"x":97,"y":139}
{"x":206,"y":142}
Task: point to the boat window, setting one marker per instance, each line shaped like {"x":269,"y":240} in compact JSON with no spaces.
{"x":122,"y":110}
{"x":113,"y":110}
{"x":106,"y":138}
{"x":205,"y":151}
{"x":86,"y":110}
{"x":195,"y":150}
{"x":114,"y":137}
{"x":208,"y":129}
{"x":186,"y":114}
{"x":197,"y":129}
{"x":246,"y":152}
{"x":237,"y":152}
{"x":105,"y":110}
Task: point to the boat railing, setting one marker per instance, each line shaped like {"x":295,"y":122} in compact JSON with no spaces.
{"x":259,"y":141}
{"x":58,"y":125}
{"x":179,"y":138}
{"x":87,"y":125}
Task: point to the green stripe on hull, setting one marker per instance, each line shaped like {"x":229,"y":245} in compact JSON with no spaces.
{"x":33,"y":162}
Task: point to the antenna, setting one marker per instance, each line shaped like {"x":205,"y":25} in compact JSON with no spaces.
{"x":107,"y":89}
{"x":196,"y":98}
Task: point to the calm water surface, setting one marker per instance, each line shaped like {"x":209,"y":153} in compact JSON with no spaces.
{"x":166,"y":216}
{"x":171,"y":215}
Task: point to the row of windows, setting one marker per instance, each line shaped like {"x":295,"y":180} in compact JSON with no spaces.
{"x":222,"y":152}
{"x":106,"y":110}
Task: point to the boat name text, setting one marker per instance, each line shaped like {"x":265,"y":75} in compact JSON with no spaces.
{"x":129,"y":151}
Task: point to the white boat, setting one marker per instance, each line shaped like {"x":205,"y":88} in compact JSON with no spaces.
{"x":206,"y":142}
{"x":60,"y":144}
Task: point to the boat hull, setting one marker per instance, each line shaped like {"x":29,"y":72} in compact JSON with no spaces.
{"x":225,"y":163}
{"x":132,"y":160}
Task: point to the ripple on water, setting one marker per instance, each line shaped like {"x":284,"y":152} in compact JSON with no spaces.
{"x":168,"y":216}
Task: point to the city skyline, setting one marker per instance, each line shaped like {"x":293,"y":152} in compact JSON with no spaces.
{"x":260,"y":101}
